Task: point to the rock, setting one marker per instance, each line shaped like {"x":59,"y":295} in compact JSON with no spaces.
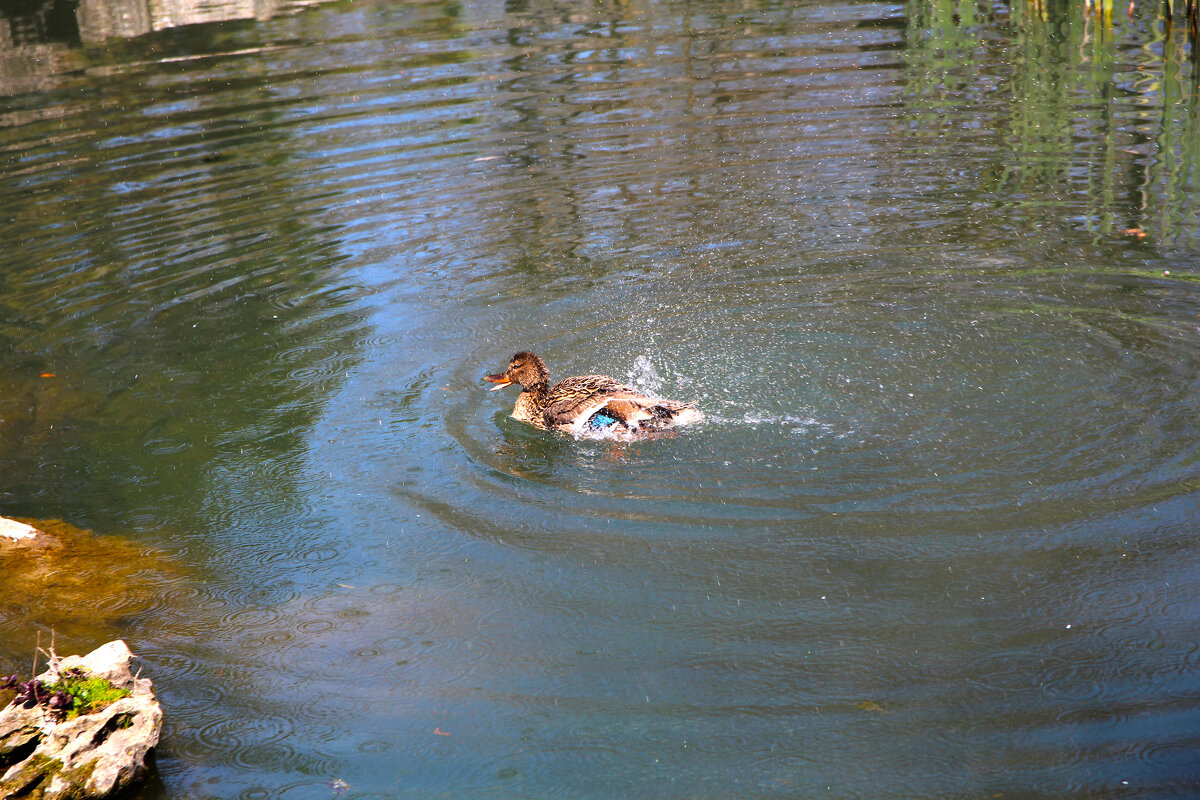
{"x":111,"y":662}
{"x":18,"y":727}
{"x":93,"y":755}
{"x":14,"y":532}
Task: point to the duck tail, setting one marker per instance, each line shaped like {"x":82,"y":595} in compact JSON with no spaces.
{"x":668,"y":413}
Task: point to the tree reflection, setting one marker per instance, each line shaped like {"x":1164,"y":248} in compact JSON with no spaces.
{"x":1083,"y":107}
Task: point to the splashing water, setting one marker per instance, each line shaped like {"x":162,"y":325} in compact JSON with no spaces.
{"x":644,"y":377}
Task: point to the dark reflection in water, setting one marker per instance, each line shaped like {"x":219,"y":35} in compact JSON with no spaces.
{"x":43,"y":41}
{"x":927,"y":268}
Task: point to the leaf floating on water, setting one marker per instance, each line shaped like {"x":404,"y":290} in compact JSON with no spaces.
{"x":867,"y":705}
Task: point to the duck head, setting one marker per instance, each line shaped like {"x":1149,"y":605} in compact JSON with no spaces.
{"x":525,"y":369}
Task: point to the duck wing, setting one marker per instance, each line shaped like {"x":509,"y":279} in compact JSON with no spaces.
{"x":573,"y":401}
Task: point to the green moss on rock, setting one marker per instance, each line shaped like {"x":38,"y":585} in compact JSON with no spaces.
{"x":89,"y":694}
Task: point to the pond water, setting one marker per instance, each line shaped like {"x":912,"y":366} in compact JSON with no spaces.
{"x":930,"y":270}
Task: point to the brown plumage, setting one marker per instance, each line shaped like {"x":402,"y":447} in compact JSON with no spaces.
{"x":586,"y":403}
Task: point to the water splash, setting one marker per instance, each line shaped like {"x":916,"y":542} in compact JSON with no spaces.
{"x":644,"y":377}
{"x":757,"y":419}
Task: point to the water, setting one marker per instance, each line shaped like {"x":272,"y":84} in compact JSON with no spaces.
{"x":929,"y":270}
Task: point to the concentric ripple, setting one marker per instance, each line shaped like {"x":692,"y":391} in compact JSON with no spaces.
{"x":1015,"y":395}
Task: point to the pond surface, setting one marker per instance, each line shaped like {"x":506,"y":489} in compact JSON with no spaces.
{"x":930,"y":271}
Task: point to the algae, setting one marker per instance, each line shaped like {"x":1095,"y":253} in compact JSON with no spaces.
{"x":32,"y":778}
{"x":37,"y":775}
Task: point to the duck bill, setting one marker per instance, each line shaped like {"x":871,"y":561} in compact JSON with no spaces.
{"x":500,"y":380}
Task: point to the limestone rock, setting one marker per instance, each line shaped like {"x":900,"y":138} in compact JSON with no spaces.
{"x":18,"y":728}
{"x":111,"y":662}
{"x":18,"y":533}
{"x":93,"y":755}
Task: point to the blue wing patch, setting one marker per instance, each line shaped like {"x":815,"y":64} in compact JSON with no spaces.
{"x":601,"y":420}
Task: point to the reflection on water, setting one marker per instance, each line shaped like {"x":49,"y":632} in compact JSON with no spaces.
{"x":1084,"y":115}
{"x":40,"y":40}
{"x":929,"y":270}
{"x":75,"y":22}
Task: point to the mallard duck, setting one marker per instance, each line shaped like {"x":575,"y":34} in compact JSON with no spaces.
{"x":587,"y":403}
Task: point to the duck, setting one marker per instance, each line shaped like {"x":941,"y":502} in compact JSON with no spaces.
{"x":586,"y":404}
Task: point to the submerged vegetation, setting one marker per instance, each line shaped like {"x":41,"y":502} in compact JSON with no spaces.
{"x":83,"y":585}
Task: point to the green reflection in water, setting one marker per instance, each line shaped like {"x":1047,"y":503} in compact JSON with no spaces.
{"x":188,"y":310}
{"x":1089,"y":115}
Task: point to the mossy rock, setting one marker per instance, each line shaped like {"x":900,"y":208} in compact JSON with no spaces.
{"x":90,"y":755}
{"x":89,"y":693}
